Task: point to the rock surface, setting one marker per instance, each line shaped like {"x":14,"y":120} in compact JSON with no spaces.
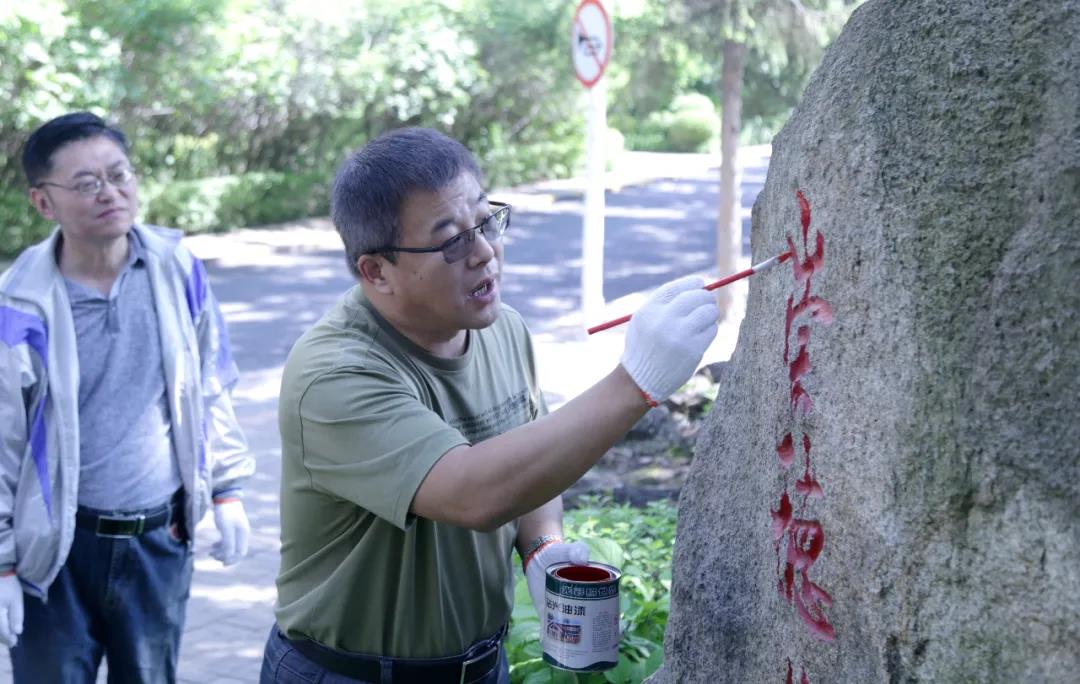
{"x":938,"y":145}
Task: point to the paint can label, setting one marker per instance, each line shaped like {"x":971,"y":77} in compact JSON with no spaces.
{"x":581,"y":617}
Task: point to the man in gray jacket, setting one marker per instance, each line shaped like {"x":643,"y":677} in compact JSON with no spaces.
{"x":118,"y":428}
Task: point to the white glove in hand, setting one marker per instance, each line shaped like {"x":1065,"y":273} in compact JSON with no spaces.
{"x":536,"y":570}
{"x":232,"y":523}
{"x":668,"y":336}
{"x":11,"y":610}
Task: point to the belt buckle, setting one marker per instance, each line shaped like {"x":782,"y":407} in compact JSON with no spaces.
{"x":465,"y":665}
{"x":138,"y":518}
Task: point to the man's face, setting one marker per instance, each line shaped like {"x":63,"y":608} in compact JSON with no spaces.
{"x":97,"y":218}
{"x":433,"y":300}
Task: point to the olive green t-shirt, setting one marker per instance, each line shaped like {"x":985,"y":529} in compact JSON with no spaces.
{"x":364,"y":414}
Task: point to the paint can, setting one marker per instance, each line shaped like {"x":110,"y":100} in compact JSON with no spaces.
{"x":581,"y":617}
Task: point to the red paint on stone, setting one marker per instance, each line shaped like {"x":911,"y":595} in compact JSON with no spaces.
{"x":806,"y":539}
{"x":810,"y":601}
{"x":785,"y":451}
{"x":802,"y":268}
{"x":801,"y":365}
{"x":789,"y":316}
{"x":801,"y":403}
{"x":817,"y":259}
{"x":809,"y":486}
{"x":804,"y":213}
{"x":781,"y":517}
{"x":819,"y":310}
{"x":786,"y":584}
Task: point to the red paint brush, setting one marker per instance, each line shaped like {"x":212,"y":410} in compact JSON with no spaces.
{"x":759,"y":268}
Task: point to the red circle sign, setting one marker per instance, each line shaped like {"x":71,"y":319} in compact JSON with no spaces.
{"x":590,"y":42}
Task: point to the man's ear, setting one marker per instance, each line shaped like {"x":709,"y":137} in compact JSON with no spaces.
{"x":372,"y":268}
{"x":42,"y":203}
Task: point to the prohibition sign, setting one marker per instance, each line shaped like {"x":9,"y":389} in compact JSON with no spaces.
{"x":590,"y":45}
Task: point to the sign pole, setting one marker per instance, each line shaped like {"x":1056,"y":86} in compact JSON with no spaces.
{"x":592,"y":265}
{"x":590,"y":49}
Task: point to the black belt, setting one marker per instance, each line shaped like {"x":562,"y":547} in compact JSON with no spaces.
{"x":124,"y":525}
{"x":471,"y":666}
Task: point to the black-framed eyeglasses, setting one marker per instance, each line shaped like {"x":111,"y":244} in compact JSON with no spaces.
{"x":459,"y":246}
{"x":91,"y":187}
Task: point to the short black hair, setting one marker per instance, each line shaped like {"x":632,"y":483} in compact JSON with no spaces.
{"x":55,"y":133}
{"x":374,"y":181}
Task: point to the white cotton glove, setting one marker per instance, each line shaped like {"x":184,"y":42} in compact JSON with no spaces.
{"x":536,"y":570}
{"x":232,"y":523}
{"x":668,"y":336}
{"x":11,"y":610}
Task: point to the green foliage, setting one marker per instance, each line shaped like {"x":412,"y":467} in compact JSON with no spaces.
{"x":212,"y":89}
{"x":20,"y":225}
{"x":237,"y":102}
{"x":691,"y":125}
{"x":523,"y":115}
{"x":652,"y":65}
{"x":665,"y":49}
{"x":257,"y":198}
{"x":638,"y":541}
{"x":694,"y":123}
{"x":649,"y":135}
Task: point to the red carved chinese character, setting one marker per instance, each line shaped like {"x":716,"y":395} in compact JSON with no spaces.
{"x":804,"y":537}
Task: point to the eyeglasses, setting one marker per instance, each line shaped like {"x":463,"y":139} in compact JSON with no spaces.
{"x":459,"y":246}
{"x":91,"y":187}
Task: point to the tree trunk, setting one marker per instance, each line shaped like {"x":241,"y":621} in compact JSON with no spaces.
{"x":729,"y":224}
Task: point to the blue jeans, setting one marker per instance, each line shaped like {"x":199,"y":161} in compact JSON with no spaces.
{"x":122,"y":598}
{"x":283,"y":664}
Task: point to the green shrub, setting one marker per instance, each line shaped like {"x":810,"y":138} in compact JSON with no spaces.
{"x":694,"y":123}
{"x":272,"y":92}
{"x":638,"y":541}
{"x":531,"y":155}
{"x":182,"y":156}
{"x":649,"y":135}
{"x":20,"y":225}
{"x":691,"y":124}
{"x":217,"y":204}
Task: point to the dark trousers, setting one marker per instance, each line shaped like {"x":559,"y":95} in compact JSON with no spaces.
{"x":121,"y":598}
{"x":283,"y":664}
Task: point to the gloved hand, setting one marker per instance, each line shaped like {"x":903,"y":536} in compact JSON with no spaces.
{"x":537,"y":565}
{"x":232,"y":523}
{"x":11,"y":610}
{"x":668,"y":336}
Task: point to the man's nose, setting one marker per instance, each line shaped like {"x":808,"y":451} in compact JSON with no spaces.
{"x":108,"y":192}
{"x":482,"y":250}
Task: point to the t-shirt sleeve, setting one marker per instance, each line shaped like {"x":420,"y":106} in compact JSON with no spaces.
{"x":368,"y":439}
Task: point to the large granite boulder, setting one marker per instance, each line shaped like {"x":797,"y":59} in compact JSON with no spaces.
{"x":932,"y":531}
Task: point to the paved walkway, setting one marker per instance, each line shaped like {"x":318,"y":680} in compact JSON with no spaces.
{"x":273,"y":283}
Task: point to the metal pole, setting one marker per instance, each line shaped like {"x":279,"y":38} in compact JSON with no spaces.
{"x":592,"y":264}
